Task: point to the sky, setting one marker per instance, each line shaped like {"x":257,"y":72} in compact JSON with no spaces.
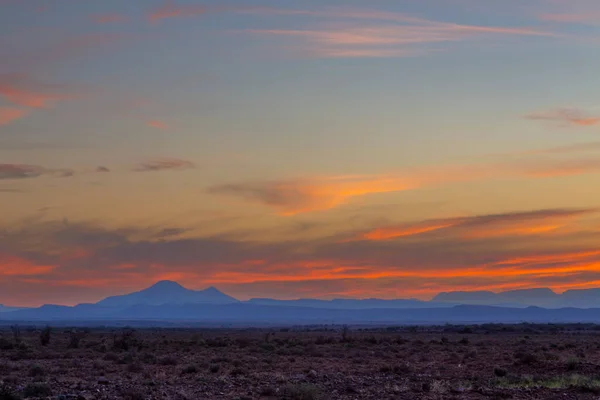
{"x":292,"y":149}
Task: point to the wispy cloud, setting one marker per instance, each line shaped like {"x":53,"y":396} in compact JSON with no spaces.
{"x":156,"y":124}
{"x":163,"y":164}
{"x":353,"y":33}
{"x":24,"y":171}
{"x":11,"y":114}
{"x":20,"y":171}
{"x":171,"y":10}
{"x":482,"y":226}
{"x":22,"y":91}
{"x":295,"y":196}
{"x":304,"y":195}
{"x":102,"y":169}
{"x":567,"y":117}
{"x":107,"y":18}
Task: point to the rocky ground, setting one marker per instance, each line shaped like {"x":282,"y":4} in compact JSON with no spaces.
{"x":498,"y":362}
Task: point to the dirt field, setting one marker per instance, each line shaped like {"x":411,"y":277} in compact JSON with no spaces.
{"x":501,"y":362}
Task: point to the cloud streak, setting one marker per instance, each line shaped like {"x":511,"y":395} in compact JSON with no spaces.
{"x":171,"y":10}
{"x":107,"y":18}
{"x":10,"y":114}
{"x":353,"y":33}
{"x":164,"y":164}
{"x":21,"y":91}
{"x":295,"y":196}
{"x":567,"y":117}
{"x":304,"y":195}
{"x":24,"y":171}
{"x":156,"y":124}
{"x":482,"y":226}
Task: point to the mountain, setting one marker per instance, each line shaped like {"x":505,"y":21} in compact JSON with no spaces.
{"x":540,"y":297}
{"x":350,"y":304}
{"x":475,"y":297}
{"x":168,"y":292}
{"x":582,"y":298}
{"x":4,"y":308}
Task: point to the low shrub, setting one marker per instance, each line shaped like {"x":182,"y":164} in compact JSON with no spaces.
{"x":37,"y":390}
{"x":36,"y":371}
{"x":303,"y":391}
{"x":45,"y":336}
{"x":168,"y":360}
{"x":190,"y":369}
{"x":8,"y":393}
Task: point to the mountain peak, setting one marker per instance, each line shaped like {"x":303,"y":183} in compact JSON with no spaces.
{"x":167,"y":285}
{"x":169,"y":292}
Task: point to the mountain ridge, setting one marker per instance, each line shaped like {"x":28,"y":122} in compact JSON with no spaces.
{"x":541,"y":297}
{"x":167,"y":292}
{"x":170,"y":302}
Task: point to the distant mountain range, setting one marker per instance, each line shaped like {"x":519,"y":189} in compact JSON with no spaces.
{"x":3,"y":308}
{"x":540,"y":297}
{"x":169,"y":301}
{"x":350,"y":304}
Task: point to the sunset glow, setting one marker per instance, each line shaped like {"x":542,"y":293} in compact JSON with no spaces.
{"x":298,"y":149}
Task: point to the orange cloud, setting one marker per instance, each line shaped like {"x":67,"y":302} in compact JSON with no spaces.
{"x":482,"y":226}
{"x":107,"y":18}
{"x":499,"y":275}
{"x":522,"y":229}
{"x":157,"y":124}
{"x":10,"y":114}
{"x":304,"y":195}
{"x":388,"y":233}
{"x":294,"y":196}
{"x":566,"y":116}
{"x":11,"y":266}
{"x":171,"y":10}
{"x":564,"y":258}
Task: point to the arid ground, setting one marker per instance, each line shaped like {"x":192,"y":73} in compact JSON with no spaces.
{"x":448,"y":362}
